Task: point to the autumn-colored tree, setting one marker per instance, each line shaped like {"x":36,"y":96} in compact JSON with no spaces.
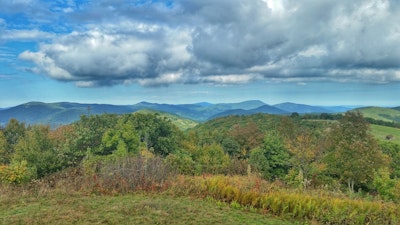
{"x":306,"y":154}
{"x":354,"y":154}
{"x":248,"y":137}
{"x":288,"y":128}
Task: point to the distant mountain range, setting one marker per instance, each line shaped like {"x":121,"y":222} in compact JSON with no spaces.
{"x":60,"y":113}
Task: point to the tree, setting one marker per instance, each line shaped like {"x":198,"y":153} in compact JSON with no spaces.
{"x":231,"y":147}
{"x":305,"y":152}
{"x":13,"y":132}
{"x":272,"y":159}
{"x":89,"y":131}
{"x":248,"y":137}
{"x":4,"y":155}
{"x":393,"y":151}
{"x":353,"y":155}
{"x":211,"y":158}
{"x":38,"y":150}
{"x":158,"y":134}
{"x":121,"y":137}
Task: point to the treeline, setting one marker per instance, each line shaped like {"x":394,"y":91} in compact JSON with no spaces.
{"x":296,"y":151}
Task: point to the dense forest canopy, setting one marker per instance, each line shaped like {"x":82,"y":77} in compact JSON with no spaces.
{"x":309,"y":151}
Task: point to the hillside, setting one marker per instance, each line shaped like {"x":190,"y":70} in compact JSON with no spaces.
{"x":266,"y":109}
{"x":178,"y":121}
{"x":201,"y":111}
{"x":380,"y":113}
{"x":56,"y":114}
{"x":381,"y":132}
{"x":301,"y":108}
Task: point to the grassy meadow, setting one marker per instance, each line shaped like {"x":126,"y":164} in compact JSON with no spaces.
{"x":380,"y":132}
{"x":380,"y":113}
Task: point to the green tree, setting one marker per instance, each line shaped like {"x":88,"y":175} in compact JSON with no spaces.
{"x":62,"y":137}
{"x":182,"y":163}
{"x":121,"y":137}
{"x":386,"y":186}
{"x":88,"y":133}
{"x":4,"y":154}
{"x":13,"y":132}
{"x":38,"y":150}
{"x":272,"y":158}
{"x":159,"y":134}
{"x":354,"y":154}
{"x":211,"y":158}
{"x":231,"y":147}
{"x":393,"y":151}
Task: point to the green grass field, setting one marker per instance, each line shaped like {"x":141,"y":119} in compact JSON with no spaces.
{"x":123,"y":209}
{"x":379,"y":113}
{"x":380,"y":132}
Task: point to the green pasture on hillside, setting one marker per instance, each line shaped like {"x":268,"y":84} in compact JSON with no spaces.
{"x":380,"y":132}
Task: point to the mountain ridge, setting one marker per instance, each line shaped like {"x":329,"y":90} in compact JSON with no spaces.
{"x":60,"y":113}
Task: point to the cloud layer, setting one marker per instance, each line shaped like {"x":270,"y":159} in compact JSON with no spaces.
{"x":156,"y":43}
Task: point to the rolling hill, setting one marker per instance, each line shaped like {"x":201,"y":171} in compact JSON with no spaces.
{"x":262,"y":109}
{"x":180,"y":122}
{"x":301,"y":108}
{"x":201,"y":111}
{"x":380,"y":113}
{"x":56,"y":114}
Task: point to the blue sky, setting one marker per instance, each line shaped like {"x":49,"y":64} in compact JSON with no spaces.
{"x":185,"y":51}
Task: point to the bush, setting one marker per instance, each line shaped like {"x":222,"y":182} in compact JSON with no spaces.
{"x":16,"y":173}
{"x":128,"y":174}
{"x":181,"y":163}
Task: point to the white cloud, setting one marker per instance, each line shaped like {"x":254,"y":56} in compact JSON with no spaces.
{"x":221,"y":42}
{"x":231,"y":78}
{"x":314,"y":51}
{"x":23,"y":35}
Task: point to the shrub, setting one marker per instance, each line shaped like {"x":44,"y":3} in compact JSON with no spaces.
{"x":16,"y":173}
{"x":128,"y":174}
{"x":181,"y":163}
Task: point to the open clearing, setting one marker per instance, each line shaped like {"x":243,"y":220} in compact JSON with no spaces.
{"x":380,"y":132}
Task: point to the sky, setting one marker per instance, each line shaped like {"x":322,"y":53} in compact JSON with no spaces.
{"x":185,"y":51}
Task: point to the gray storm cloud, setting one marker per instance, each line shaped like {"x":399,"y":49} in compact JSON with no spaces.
{"x":224,"y":42}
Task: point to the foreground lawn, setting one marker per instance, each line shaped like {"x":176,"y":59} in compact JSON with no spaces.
{"x":123,"y":209}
